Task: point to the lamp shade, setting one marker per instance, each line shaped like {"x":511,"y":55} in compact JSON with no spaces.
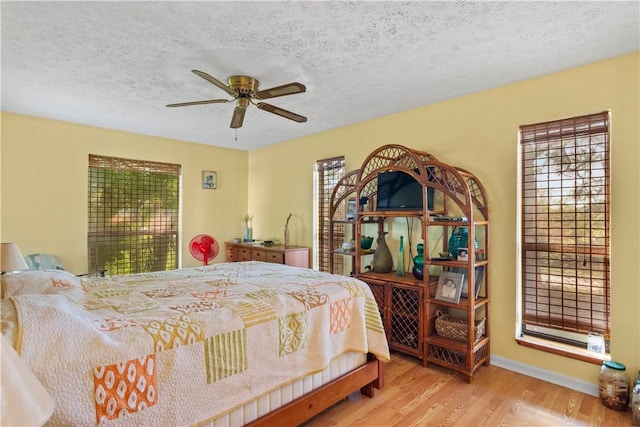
{"x":25,"y":401}
{"x":11,"y":259}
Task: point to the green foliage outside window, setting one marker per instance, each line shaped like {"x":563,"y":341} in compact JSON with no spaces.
{"x":133,"y":216}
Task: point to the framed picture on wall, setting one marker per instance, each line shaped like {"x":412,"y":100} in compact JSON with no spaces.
{"x":209,"y":180}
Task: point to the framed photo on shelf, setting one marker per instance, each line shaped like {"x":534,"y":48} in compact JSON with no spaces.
{"x":465,"y":283}
{"x":449,"y":287}
{"x":463,"y":254}
{"x":351,"y":209}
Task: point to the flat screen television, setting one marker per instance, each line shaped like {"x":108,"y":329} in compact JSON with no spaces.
{"x":398,"y":190}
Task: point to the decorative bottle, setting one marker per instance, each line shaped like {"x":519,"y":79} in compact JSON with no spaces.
{"x":382,"y":259}
{"x":418,"y":262}
{"x":248,"y":233}
{"x":400,"y":262}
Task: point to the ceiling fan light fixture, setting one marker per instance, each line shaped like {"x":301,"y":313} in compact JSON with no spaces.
{"x":243,"y":85}
{"x":244,"y":90}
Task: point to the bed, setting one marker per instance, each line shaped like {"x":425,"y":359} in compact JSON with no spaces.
{"x":225,"y":344}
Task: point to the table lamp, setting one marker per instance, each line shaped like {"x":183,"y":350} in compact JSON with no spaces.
{"x":11,"y":259}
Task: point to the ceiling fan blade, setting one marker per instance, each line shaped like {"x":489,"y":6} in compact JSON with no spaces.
{"x":215,"y":81}
{"x":238,"y":117}
{"x":279,"y":111}
{"x":210,"y":101}
{"x":288,"y":89}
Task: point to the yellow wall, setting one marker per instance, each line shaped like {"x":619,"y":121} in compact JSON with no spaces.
{"x":44,"y":170}
{"x":478,"y":132}
{"x":44,"y":185}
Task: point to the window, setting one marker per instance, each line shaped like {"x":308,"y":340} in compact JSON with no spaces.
{"x":564,"y":226}
{"x":329,"y":172}
{"x":133,"y":215}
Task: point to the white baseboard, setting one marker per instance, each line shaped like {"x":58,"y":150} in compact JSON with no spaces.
{"x":544,"y":375}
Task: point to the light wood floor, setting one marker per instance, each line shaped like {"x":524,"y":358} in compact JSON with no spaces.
{"x":434,"y":396}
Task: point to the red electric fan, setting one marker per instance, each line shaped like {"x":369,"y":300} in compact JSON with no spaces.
{"x":204,"y":248}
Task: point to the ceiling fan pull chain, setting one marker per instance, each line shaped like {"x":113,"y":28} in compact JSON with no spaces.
{"x":236,"y":134}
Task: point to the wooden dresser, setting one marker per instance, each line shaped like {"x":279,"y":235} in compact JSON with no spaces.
{"x":295,"y":256}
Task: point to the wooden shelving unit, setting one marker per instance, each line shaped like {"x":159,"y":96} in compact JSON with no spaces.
{"x":409,"y":306}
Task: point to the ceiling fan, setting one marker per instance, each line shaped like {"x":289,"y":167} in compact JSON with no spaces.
{"x":244,"y":90}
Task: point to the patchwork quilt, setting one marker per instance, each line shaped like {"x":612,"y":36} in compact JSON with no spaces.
{"x":182,"y":347}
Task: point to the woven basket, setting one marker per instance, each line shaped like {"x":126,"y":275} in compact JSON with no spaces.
{"x":457,"y":329}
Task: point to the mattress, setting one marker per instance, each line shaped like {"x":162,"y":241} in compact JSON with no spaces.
{"x":287,"y":393}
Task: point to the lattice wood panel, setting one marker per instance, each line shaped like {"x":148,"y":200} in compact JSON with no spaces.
{"x":480,"y":354}
{"x":454,"y":358}
{"x":460,"y":185}
{"x":405,"y":326}
{"x":394,"y":156}
{"x":405,"y":300}
{"x":446,"y":355}
{"x":405,"y":330}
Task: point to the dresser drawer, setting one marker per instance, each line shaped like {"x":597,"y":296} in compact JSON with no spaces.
{"x":244,"y":254}
{"x":277,"y":257}
{"x":258,"y":255}
{"x":231,"y":254}
{"x":295,"y":256}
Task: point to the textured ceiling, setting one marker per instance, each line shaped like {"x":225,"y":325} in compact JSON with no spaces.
{"x":117,"y":64}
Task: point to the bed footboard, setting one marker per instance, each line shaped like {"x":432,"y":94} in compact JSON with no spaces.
{"x":365,"y":378}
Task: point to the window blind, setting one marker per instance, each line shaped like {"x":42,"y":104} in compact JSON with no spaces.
{"x":565,"y":227}
{"x":133,"y":215}
{"x":329,"y":173}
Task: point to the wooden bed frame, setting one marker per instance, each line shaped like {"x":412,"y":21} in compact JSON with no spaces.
{"x":365,"y":378}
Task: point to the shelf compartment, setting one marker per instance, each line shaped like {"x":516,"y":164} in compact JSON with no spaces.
{"x":459,"y":329}
{"x":451,"y":354}
{"x":455,"y":345}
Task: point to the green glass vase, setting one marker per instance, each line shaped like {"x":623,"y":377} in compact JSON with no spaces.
{"x":400,"y":262}
{"x":418,"y":262}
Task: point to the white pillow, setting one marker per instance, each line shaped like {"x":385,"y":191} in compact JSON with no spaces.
{"x":37,"y":282}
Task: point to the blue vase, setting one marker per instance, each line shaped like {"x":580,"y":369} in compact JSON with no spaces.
{"x":460,"y":239}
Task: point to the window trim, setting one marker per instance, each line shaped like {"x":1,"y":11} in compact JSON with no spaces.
{"x":561,"y":349}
